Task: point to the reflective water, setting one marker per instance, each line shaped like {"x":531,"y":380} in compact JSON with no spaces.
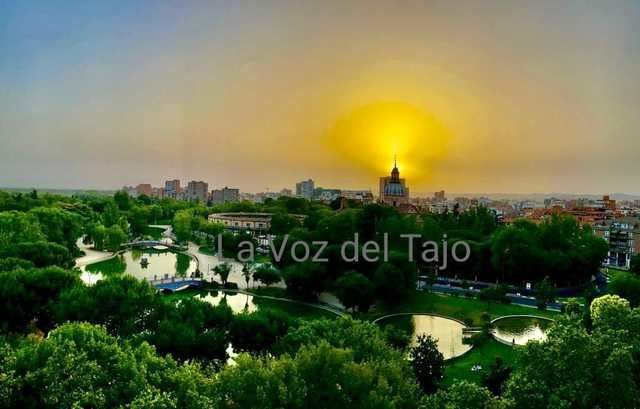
{"x":145,"y":264}
{"x":447,"y":332}
{"x":520,"y":330}
{"x":237,"y":302}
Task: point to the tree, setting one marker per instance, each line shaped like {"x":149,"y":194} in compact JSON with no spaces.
{"x":576,"y":369}
{"x":122,"y":304}
{"x":183,"y":224}
{"x":246,"y":273}
{"x":110,"y":214}
{"x":427,"y":363}
{"x":223,"y":270}
{"x":635,"y":264}
{"x":626,"y":285}
{"x":498,"y":374}
{"x":266,"y":274}
{"x":115,"y":237}
{"x":122,"y":200}
{"x":41,"y":254}
{"x":282,"y":223}
{"x":192,"y":329}
{"x":13,"y":263}
{"x":97,"y":233}
{"x":258,"y":331}
{"x":462,"y":395}
{"x":138,"y":219}
{"x":365,"y":339}
{"x":317,"y":377}
{"x":544,"y":292}
{"x":572,"y":307}
{"x":609,"y":311}
{"x":388,"y":281}
{"x":59,"y":226}
{"x":305,"y":280}
{"x":494,"y":294}
{"x":28,"y":296}
{"x":80,"y":365}
{"x":355,"y":290}
{"x":17,"y":227}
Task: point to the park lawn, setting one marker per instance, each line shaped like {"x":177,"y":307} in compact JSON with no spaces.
{"x":154,"y":232}
{"x":262,"y":258}
{"x":459,"y":368}
{"x":301,"y":311}
{"x":113,"y":266}
{"x":296,"y":310}
{"x":207,"y":249}
{"x":457,"y":307}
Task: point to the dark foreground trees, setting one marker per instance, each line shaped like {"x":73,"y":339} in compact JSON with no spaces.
{"x":81,"y":365}
{"x":427,"y":363}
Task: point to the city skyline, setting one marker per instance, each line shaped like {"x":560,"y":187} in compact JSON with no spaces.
{"x":494,"y":97}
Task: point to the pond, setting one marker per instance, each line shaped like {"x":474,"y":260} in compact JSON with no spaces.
{"x":447,"y":332}
{"x":520,"y":330}
{"x":237,"y":302}
{"x":159,"y":264}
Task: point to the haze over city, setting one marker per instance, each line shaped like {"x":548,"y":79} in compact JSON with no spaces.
{"x":481,"y":97}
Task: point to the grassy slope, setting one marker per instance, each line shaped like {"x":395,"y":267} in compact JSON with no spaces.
{"x":154,"y":232}
{"x":461,"y":308}
{"x":295,"y":310}
{"x":456,"y":307}
{"x":460,"y":368}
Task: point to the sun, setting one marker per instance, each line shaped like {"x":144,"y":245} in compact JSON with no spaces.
{"x":371,"y":135}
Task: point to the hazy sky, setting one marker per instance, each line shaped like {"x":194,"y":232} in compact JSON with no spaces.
{"x":473,"y":96}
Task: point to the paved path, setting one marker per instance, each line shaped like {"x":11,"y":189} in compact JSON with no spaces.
{"x":324,"y":307}
{"x":91,"y":255}
{"x":207,"y":262}
{"x":515,"y":299}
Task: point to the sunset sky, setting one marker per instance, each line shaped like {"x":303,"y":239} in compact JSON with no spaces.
{"x":473,"y":96}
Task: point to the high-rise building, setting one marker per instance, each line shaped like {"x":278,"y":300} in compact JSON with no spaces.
{"x":439,"y":196}
{"x":144,"y":189}
{"x":305,"y":189}
{"x":225,"y":195}
{"x":157,"y":193}
{"x":172,"y":189}
{"x":623,"y":237}
{"x":197,"y":191}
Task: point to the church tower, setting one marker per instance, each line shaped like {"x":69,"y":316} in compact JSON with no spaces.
{"x":393,"y":190}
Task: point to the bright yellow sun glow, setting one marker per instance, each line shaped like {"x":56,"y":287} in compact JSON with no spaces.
{"x":371,"y":135}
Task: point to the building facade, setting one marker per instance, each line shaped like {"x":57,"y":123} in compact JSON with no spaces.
{"x":197,"y":191}
{"x":393,"y":190}
{"x":364,"y":196}
{"x":623,"y":237}
{"x":172,"y":189}
{"x":254,"y":222}
{"x":225,"y":195}
{"x":305,"y":189}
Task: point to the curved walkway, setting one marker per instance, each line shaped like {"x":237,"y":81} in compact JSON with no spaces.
{"x":290,"y":300}
{"x":91,"y":255}
{"x":399,"y":314}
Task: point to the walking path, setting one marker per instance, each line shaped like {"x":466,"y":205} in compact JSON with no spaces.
{"x":325,"y":307}
{"x":91,"y":255}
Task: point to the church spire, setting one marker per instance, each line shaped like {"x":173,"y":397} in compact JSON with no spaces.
{"x":395,"y":173}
